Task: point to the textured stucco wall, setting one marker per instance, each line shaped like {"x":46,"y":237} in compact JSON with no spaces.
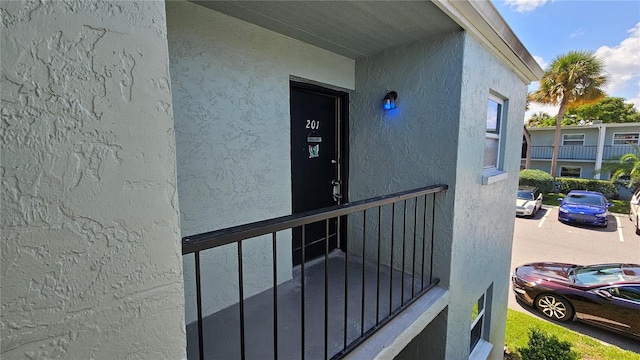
{"x":230,"y":83}
{"x":483,"y":220}
{"x":415,"y":145}
{"x":91,"y":264}
{"x":412,"y":146}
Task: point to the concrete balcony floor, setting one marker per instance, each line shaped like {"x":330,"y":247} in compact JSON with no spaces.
{"x":222,"y":331}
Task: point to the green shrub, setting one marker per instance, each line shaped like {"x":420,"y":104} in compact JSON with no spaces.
{"x":538,"y":178}
{"x":609,"y":189}
{"x":546,"y":347}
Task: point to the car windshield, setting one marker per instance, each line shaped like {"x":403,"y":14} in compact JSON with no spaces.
{"x":584,"y":199}
{"x":525,"y":195}
{"x":600,"y":274}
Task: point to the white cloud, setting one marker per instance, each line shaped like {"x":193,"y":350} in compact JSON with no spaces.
{"x":525,"y":5}
{"x":635,"y":101}
{"x":535,"y":108}
{"x":622,"y":62}
{"x":578,"y":32}
{"x":543,"y":64}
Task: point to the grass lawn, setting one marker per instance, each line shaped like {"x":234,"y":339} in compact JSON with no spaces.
{"x":619,"y":206}
{"x":518,"y":325}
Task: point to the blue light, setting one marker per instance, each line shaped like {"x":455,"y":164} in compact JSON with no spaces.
{"x":389,"y":101}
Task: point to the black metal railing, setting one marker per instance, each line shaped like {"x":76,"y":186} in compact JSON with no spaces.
{"x":388,"y":258}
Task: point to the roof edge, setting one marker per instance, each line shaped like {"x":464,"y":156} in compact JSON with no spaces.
{"x":482,"y":20}
{"x":590,"y":126}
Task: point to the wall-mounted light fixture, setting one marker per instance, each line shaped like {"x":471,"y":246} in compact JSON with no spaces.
{"x":389,"y":100}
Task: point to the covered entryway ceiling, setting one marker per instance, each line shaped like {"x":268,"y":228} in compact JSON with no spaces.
{"x":349,"y":28}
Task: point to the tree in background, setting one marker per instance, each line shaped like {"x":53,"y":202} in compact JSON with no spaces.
{"x":572,"y":79}
{"x":609,"y":110}
{"x":628,"y":165}
{"x":540,"y":119}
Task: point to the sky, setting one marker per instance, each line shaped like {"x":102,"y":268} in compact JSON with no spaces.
{"x":609,"y":28}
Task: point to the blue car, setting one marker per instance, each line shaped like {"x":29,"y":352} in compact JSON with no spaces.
{"x":585,"y":207}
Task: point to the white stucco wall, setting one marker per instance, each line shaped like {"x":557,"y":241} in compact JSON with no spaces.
{"x":91,"y":263}
{"x":230,"y":83}
{"x":483,"y":221}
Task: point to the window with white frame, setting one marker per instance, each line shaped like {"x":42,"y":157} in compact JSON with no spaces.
{"x":626,"y":138}
{"x":572,"y":139}
{"x":492,"y":137}
{"x":479,"y":344}
{"x":570,"y":171}
{"x":477,"y":318}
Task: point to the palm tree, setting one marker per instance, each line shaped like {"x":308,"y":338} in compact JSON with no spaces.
{"x":539,"y":119}
{"x":628,"y":165}
{"x":572,"y":79}
{"x":527,"y":139}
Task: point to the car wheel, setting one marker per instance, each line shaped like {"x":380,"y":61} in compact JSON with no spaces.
{"x":637,"y":230}
{"x":554,"y":307}
{"x":533,"y":213}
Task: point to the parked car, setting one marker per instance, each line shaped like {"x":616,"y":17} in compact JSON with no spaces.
{"x":605,"y":295}
{"x":529,"y":201}
{"x":634,"y":209}
{"x":584,"y":207}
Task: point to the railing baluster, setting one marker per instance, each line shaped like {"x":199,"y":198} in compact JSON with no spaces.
{"x":364,"y":241}
{"x":415,"y":232}
{"x":424,"y":241}
{"x":393,"y":225}
{"x":346,"y":296}
{"x":275,"y":296}
{"x":404,"y":254}
{"x":199,"y":306}
{"x":433,"y":232}
{"x":326,"y":290}
{"x":241,"y":293}
{"x":378,"y":280}
{"x":302,"y":307}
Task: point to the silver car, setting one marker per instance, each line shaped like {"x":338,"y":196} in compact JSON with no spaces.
{"x":529,"y":201}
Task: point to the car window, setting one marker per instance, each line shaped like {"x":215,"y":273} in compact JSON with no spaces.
{"x":631,"y":293}
{"x":585,"y":199}
{"x":593,"y":275}
{"x":525,"y":195}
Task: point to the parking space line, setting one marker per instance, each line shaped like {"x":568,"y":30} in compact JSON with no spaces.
{"x":544,"y":217}
{"x":619,"y":225}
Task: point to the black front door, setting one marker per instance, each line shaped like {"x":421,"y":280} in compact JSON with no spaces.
{"x":316,"y":163}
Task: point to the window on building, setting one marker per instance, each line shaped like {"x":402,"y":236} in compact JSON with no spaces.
{"x":480,"y":347}
{"x":492,"y":137}
{"x":477,"y":317}
{"x":570,"y":171}
{"x":493,"y":161}
{"x":626,"y":138}
{"x":572,"y":139}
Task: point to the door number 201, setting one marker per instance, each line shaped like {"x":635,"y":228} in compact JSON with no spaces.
{"x":313,"y":124}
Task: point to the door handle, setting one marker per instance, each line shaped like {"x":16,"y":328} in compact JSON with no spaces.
{"x":337,"y":191}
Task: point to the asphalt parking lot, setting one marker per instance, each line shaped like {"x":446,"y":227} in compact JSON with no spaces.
{"x":544,"y":238}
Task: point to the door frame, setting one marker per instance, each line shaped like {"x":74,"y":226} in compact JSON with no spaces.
{"x":343,"y":146}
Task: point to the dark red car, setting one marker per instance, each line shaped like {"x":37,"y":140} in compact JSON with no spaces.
{"x":605,"y":295}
